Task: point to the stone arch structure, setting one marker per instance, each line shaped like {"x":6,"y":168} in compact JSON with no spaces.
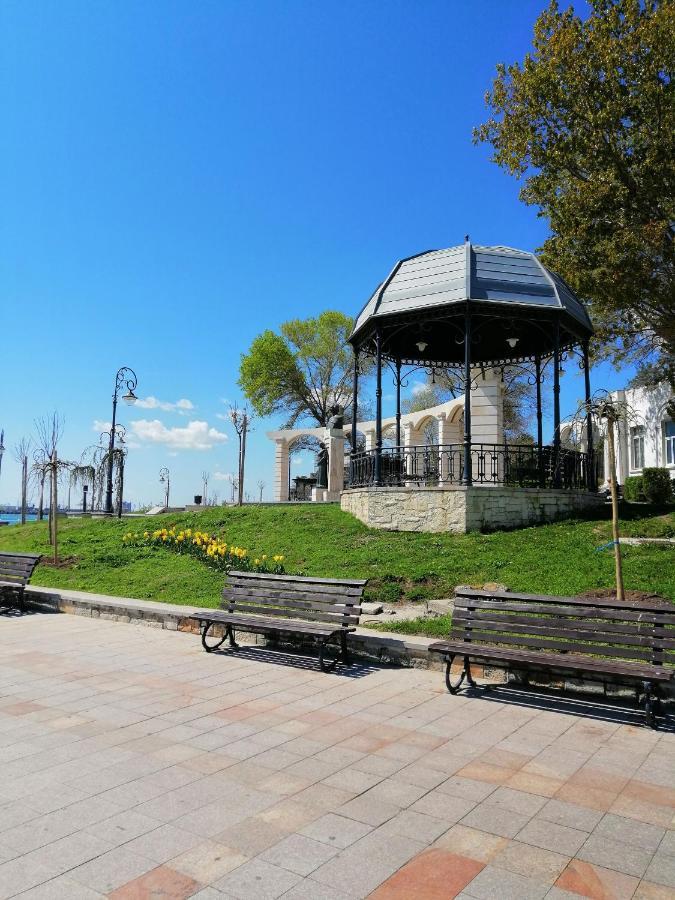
{"x":488,"y":422}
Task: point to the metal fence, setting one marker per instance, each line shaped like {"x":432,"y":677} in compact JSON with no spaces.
{"x":523,"y":465}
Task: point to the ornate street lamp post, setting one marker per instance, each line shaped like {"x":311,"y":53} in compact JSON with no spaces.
{"x":125,"y":376}
{"x":164,"y":479}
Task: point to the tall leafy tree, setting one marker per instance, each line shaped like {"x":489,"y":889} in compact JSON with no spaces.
{"x":302,"y":372}
{"x":588,"y":121}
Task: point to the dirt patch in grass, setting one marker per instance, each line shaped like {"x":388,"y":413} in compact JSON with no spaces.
{"x":65,"y":562}
{"x":631,"y":596}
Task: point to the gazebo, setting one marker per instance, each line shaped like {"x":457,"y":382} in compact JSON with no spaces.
{"x":477,"y":311}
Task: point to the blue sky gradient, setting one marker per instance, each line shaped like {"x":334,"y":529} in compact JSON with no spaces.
{"x":177,"y":177}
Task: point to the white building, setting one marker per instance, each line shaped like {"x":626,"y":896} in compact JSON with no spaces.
{"x":646,"y":433}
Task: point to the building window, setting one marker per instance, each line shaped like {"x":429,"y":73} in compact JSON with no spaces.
{"x":637,"y":447}
{"x":669,"y":443}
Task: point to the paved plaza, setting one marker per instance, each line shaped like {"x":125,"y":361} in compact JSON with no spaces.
{"x":134,"y":766}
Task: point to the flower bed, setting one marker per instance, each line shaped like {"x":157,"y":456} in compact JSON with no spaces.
{"x":208,"y":548}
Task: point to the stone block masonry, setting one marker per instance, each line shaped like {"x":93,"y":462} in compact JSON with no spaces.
{"x":459,"y":509}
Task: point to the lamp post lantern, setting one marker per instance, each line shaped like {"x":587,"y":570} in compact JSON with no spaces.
{"x":125,"y":376}
{"x":165,"y":479}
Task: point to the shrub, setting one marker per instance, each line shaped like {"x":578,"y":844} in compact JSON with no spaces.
{"x":657,"y":486}
{"x":633,"y":488}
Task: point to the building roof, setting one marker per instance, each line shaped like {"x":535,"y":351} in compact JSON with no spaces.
{"x":502,"y":279}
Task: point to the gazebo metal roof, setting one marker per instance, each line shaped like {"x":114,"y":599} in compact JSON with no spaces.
{"x":510,"y":292}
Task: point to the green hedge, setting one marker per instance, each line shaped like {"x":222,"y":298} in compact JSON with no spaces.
{"x":657,"y":486}
{"x":633,"y":488}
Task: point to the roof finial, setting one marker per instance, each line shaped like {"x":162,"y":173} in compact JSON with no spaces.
{"x":466,"y":238}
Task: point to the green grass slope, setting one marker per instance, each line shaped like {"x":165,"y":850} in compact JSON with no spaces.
{"x":322,"y":540}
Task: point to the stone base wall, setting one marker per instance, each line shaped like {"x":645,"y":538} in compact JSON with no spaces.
{"x":460,"y":509}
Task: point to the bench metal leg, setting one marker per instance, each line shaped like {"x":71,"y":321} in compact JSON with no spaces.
{"x":326,"y":666}
{"x":652,"y":701}
{"x":205,"y":630}
{"x":344,"y":653}
{"x":466,"y":673}
{"x":229,"y":633}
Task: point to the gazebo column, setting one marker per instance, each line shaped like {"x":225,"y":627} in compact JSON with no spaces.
{"x":467,"y":475}
{"x":540,"y":431}
{"x":281,"y":473}
{"x":378,"y":409}
{"x":398,"y":402}
{"x":556,"y":404}
{"x":355,"y":414}
{"x":590,"y":472}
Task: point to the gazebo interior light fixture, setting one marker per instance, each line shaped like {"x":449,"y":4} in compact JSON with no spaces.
{"x":422,"y":346}
{"x":512,"y":342}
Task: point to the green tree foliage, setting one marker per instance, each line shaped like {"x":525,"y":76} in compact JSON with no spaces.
{"x":588,"y":120}
{"x":303,"y":371}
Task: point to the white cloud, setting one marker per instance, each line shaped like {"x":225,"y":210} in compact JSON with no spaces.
{"x":419,"y":387}
{"x":196,"y":435}
{"x":223,"y":476}
{"x":154,"y":403}
{"x":100,"y":426}
{"x":223,"y":417}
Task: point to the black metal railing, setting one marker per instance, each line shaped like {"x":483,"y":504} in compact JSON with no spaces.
{"x":524,"y":465}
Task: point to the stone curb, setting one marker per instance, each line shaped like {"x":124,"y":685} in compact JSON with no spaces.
{"x":384,"y":647}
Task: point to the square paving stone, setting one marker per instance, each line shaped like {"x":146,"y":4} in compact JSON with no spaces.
{"x":617,"y":855}
{"x":112,"y":869}
{"x":661,"y":869}
{"x":494,"y":883}
{"x":648,"y":837}
{"x":208,"y":861}
{"x":336,"y":830}
{"x":432,"y":875}
{"x":580,"y":817}
{"x":549,"y":836}
{"x":299,"y":854}
{"x":495,"y":819}
{"x":257,"y":880}
{"x":533,"y":862}
{"x":596,"y":882}
{"x":61,"y":888}
{"x":162,"y":882}
{"x":416,"y":825}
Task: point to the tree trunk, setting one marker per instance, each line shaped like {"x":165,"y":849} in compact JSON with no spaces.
{"x":611,"y":452}
{"x":24,"y":488}
{"x":53,"y":506}
{"x":242,"y":459}
{"x":50,"y":520}
{"x":41,"y":505}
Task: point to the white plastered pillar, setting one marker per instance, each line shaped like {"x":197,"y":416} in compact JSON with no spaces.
{"x":281,"y":485}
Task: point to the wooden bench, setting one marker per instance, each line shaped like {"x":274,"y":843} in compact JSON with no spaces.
{"x":630,"y":643}
{"x":15,"y":573}
{"x":324,"y":608}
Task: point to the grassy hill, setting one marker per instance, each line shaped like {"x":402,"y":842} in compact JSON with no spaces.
{"x":322,"y":540}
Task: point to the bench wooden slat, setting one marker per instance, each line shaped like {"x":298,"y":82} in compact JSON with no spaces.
{"x":238,"y":590}
{"x":263,"y":624}
{"x":309,"y":615}
{"x":282,"y":601}
{"x":613,"y":613}
{"x":524,"y":617}
{"x":551,"y":644}
{"x":600,"y":634}
{"x":326,"y":583}
{"x":553,"y":660}
{"x":568,"y":601}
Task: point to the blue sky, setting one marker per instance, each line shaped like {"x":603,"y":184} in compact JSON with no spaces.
{"x":176,"y":177}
